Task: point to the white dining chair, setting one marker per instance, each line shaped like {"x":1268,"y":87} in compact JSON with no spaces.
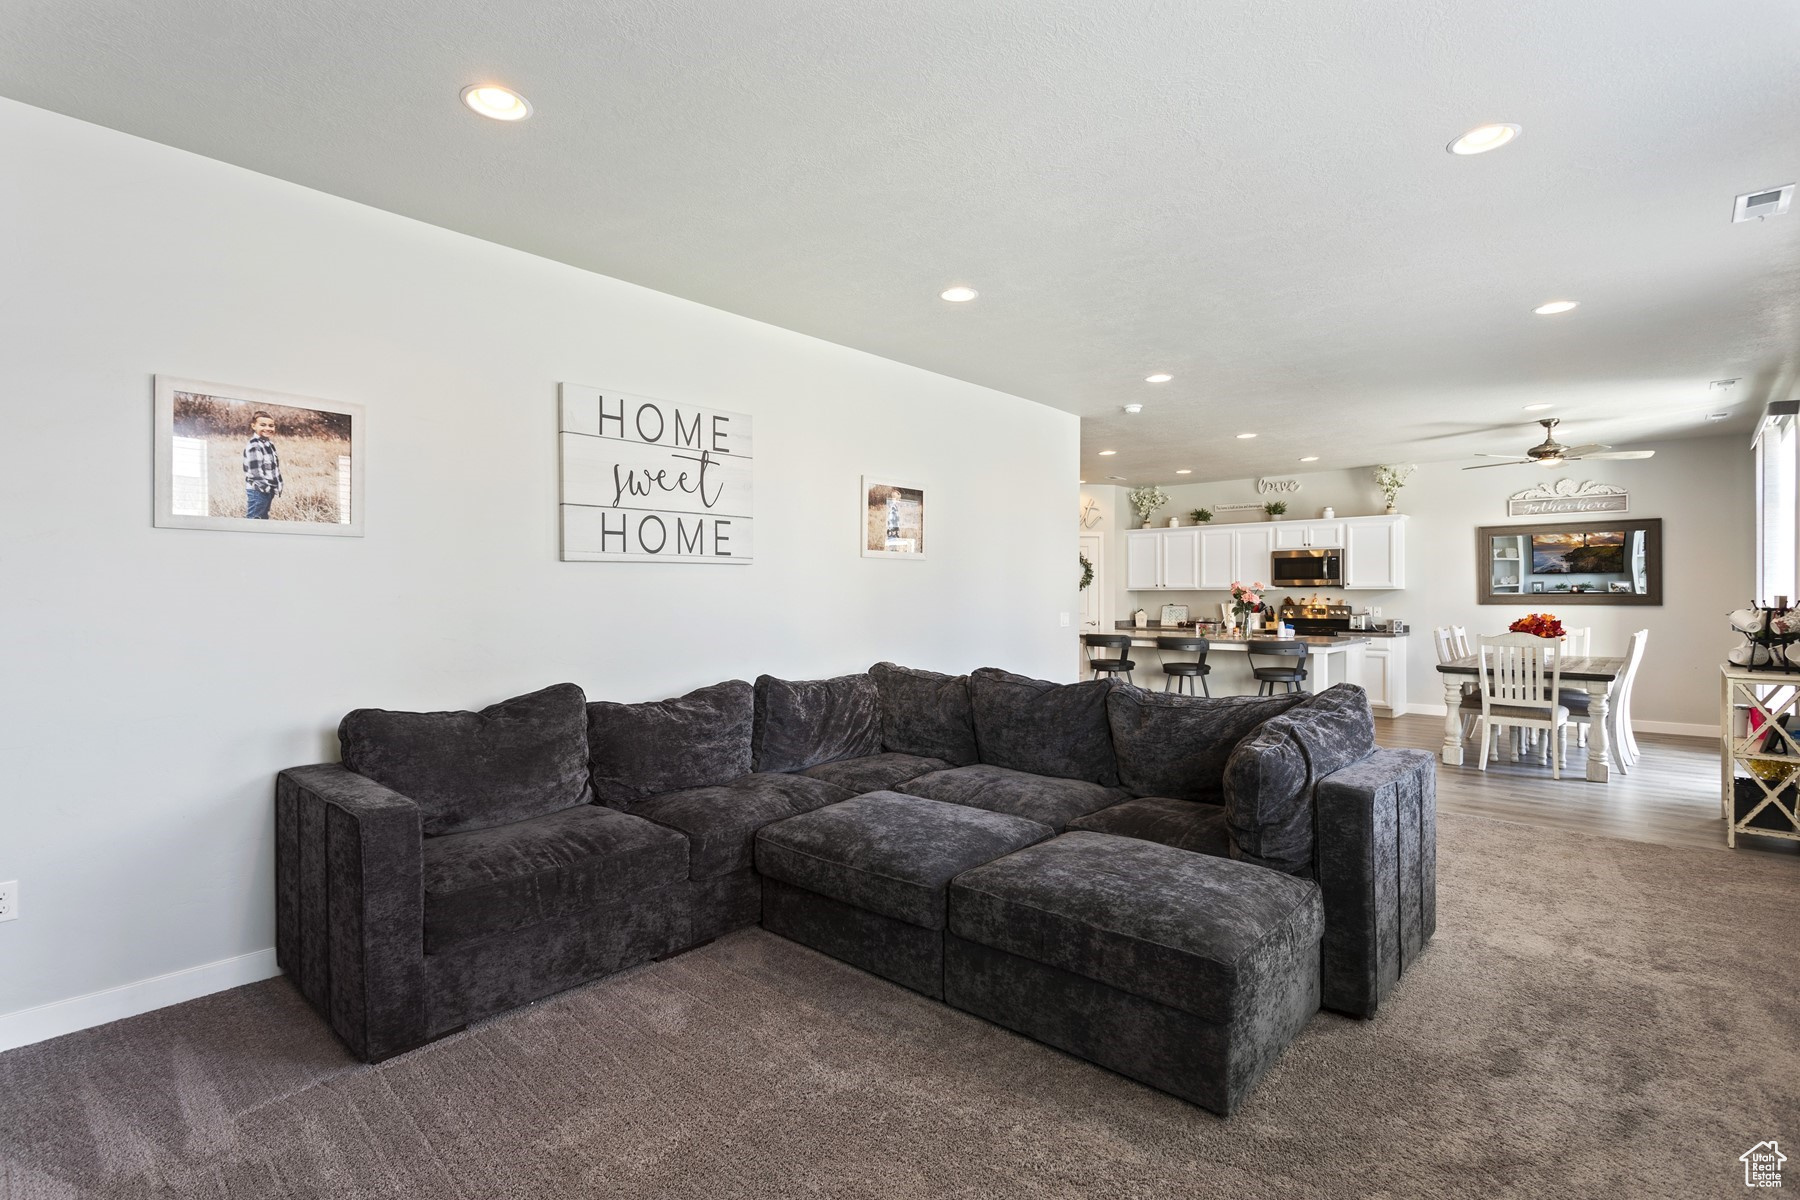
{"x":1618,"y":713}
{"x":1445,"y":644}
{"x":1459,"y":638}
{"x":1521,"y":675}
{"x":1577,"y":642}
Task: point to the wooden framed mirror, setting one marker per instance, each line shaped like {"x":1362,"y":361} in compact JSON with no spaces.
{"x":1613,"y":561}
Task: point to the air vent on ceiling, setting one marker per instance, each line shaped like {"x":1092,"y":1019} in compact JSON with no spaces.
{"x":1754,"y":206}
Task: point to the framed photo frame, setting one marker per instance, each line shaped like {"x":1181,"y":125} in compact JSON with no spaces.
{"x":253,"y":461}
{"x":893,"y":518}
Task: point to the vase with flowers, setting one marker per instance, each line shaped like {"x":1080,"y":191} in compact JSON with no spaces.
{"x":1390,"y":479}
{"x":1544,"y":625}
{"x":1147,"y":500}
{"x":1246,"y":600}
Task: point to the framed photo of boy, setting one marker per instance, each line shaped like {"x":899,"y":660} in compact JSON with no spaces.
{"x":893,"y":512}
{"x":252,"y":461}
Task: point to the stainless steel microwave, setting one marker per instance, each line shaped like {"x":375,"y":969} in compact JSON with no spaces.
{"x":1306,"y":568}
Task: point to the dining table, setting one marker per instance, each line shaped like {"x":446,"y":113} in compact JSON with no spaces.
{"x":1594,"y":674}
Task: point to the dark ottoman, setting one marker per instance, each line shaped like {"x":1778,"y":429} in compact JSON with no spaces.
{"x":1186,"y":972}
{"x":863,"y":880}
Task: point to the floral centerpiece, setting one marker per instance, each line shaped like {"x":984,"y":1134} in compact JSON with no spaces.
{"x":1147,"y":500}
{"x":1544,"y":625}
{"x":1390,"y":479}
{"x":1246,"y":598}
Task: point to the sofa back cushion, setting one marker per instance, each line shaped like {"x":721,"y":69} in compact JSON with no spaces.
{"x":802,"y":723}
{"x":925,"y":713}
{"x":1271,"y":774}
{"x":701,"y":739}
{"x":1056,"y":729}
{"x":1176,"y":746}
{"x":520,"y":758}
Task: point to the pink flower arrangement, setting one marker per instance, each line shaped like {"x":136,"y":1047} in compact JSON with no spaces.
{"x":1246,"y":597}
{"x":1544,"y":625}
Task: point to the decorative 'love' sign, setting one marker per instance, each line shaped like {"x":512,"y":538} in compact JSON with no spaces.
{"x":648,"y":481}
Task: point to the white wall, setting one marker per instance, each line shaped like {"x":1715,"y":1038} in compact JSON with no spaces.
{"x":1703,"y":489}
{"x":155,"y":680}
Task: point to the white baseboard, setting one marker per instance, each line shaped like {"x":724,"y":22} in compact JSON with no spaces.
{"x":30,"y":1025}
{"x":1677,"y":728}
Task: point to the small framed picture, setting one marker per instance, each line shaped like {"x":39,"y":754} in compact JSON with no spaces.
{"x":893,"y":518}
{"x":1619,"y":586}
{"x":1537,"y":585}
{"x":252,"y":461}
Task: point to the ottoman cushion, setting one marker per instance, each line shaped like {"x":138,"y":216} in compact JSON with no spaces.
{"x":1052,"y":802}
{"x":889,"y":853}
{"x":1190,"y":931}
{"x":874,"y":772}
{"x":1184,"y":824}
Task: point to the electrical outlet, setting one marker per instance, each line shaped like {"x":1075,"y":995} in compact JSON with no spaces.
{"x":9,"y":901}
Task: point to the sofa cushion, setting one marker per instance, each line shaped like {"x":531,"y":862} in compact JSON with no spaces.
{"x":801,"y":723}
{"x":925,"y":713}
{"x":1049,"y":801}
{"x":1184,"y":824}
{"x":1043,"y":728}
{"x":876,"y":772}
{"x":701,"y":739}
{"x":510,"y":876}
{"x":519,"y":758}
{"x":1270,"y":776}
{"x":889,"y":853}
{"x":721,"y":822}
{"x":1172,"y":745}
{"x":1189,"y":931}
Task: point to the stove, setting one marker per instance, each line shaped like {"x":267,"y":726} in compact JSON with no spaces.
{"x":1317,"y":620}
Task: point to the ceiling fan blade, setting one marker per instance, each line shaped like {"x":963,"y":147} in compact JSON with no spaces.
{"x":1583,"y":451}
{"x":1517,"y":462}
{"x":1507,"y":457}
{"x":1622,"y":454}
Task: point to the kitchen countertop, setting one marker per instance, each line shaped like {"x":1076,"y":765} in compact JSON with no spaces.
{"x":1157,"y":628}
{"x":1361,"y":635}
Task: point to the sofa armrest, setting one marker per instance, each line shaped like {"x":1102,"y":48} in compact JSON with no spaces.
{"x":350,"y":905}
{"x":1375,"y":858}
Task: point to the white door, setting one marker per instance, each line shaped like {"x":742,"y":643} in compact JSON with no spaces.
{"x":1215,"y":560}
{"x":1375,"y":555}
{"x":1142,"y":552}
{"x":1181,"y":559}
{"x":1378,"y":676}
{"x":1094,"y":615}
{"x":1327,"y":534}
{"x":1291,"y":535}
{"x":1250,"y":554}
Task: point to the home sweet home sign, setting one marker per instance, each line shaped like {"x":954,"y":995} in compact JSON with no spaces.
{"x":649,"y":481}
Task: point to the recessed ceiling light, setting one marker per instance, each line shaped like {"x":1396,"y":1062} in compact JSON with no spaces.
{"x":1556,"y":306}
{"x":1159,"y":377}
{"x":1081,"y":481}
{"x":1104,"y":453}
{"x":960,"y":294}
{"x":1134,"y":409}
{"x":1120,"y":478}
{"x":1242,"y":436}
{"x":500,"y":103}
{"x":1483,"y":138}
{"x":1538,"y":407}
{"x":1717,"y":416}
{"x":1310,"y":458}
{"x":1185,"y":471}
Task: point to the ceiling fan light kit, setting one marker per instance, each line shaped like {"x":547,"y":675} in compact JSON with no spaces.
{"x":1552,"y":453}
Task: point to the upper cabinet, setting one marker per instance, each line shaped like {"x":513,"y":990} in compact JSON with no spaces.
{"x":1210,"y":558}
{"x":1375,"y":554}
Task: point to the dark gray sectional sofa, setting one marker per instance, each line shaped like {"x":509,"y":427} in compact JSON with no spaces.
{"x":1167,"y":885}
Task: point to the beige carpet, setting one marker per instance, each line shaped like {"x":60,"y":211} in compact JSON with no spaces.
{"x":1594,"y":1018}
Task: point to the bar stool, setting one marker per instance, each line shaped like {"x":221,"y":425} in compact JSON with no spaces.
{"x":1293,"y":676}
{"x":1118,"y":664}
{"x":1183,"y":674}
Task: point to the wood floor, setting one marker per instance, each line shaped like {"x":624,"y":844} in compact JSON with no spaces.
{"x":1671,"y":796}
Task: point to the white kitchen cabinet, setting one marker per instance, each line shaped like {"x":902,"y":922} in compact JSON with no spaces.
{"x":1375,"y":554}
{"x":1307,"y":535}
{"x":1384,"y":674}
{"x":1216,"y":566}
{"x":1181,"y":559}
{"x":1250,"y":549}
{"x":1143,"y":559}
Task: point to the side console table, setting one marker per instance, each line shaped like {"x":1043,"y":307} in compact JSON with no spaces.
{"x":1768,"y":772}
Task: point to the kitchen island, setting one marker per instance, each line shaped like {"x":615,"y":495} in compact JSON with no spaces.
{"x":1329,"y":660}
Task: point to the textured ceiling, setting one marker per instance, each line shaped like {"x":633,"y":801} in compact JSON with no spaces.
{"x":1251,"y":195}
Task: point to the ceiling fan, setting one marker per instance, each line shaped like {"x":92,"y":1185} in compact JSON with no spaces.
{"x":1552,"y":453}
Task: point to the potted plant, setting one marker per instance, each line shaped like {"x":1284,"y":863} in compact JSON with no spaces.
{"x":1276,"y":509}
{"x":1390,"y":480}
{"x":1146,"y":500}
{"x":1200,"y":516}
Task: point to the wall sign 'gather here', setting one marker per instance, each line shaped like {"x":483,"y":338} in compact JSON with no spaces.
{"x":645,"y":480}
